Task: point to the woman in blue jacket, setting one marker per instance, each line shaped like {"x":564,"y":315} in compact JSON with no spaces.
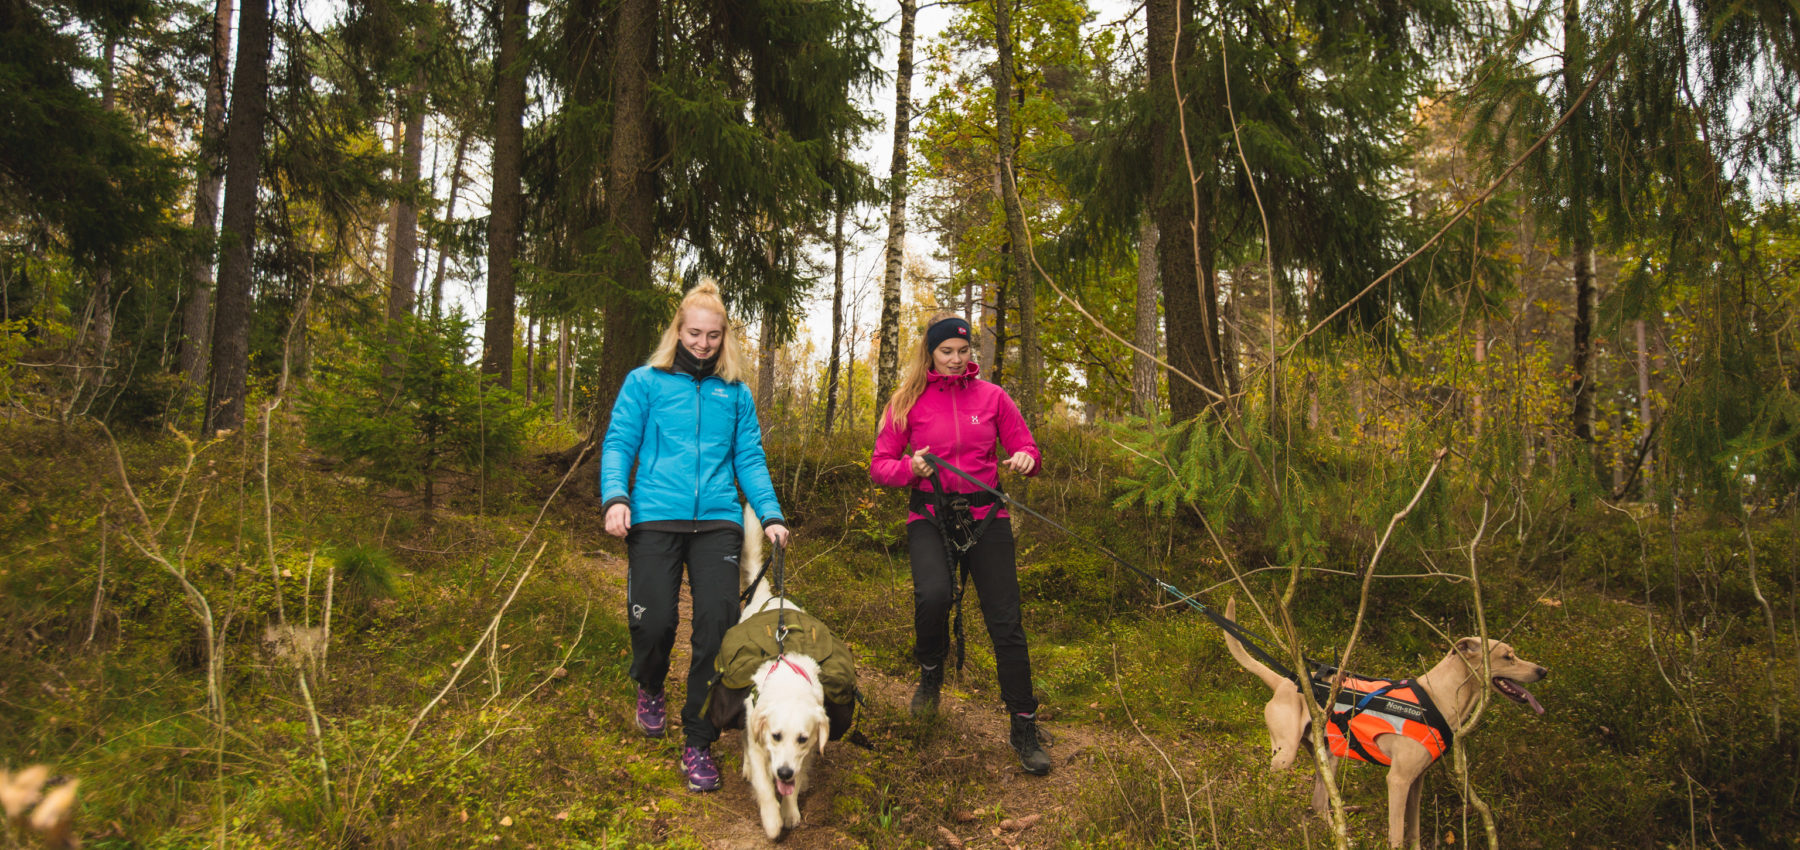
{"x":687,"y":421}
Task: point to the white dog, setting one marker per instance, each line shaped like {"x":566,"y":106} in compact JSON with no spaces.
{"x":785,"y":722}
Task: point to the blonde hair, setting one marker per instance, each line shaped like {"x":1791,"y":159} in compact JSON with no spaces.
{"x":918,"y":370}
{"x":731,"y":367}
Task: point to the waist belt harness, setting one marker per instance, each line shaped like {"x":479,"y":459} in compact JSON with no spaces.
{"x":1369,"y":708}
{"x":751,"y":645}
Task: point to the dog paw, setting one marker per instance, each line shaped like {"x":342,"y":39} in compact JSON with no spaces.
{"x":771,"y":824}
{"x":791,"y":819}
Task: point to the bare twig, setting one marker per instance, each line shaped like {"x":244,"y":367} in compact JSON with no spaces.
{"x":486,"y":635}
{"x":1179,"y":782}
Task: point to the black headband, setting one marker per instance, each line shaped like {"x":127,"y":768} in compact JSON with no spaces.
{"x":943,"y":329}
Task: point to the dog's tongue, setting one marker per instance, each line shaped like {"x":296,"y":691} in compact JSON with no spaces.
{"x":786,"y":789}
{"x":1517,"y":693}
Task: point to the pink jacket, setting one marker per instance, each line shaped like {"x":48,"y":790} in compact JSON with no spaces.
{"x":962,"y":420}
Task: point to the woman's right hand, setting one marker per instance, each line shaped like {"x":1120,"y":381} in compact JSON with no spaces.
{"x":618,"y":519}
{"x":920,"y":466}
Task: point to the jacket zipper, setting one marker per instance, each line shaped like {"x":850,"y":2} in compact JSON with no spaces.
{"x":699,"y":405}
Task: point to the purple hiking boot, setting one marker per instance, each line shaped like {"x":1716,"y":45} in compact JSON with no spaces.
{"x":697,"y":765}
{"x":652,"y":714}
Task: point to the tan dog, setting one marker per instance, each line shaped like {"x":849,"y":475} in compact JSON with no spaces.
{"x":1453,"y":686}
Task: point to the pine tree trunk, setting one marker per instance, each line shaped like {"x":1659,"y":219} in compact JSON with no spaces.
{"x":530,"y":357}
{"x":1643,"y":382}
{"x":403,"y":287}
{"x":887,"y":370}
{"x":564,"y":382}
{"x":456,"y":184}
{"x":1580,"y":158}
{"x":837,"y":311}
{"x":1143,"y":369}
{"x":196,"y":311}
{"x":1582,"y":385}
{"x":631,"y":205}
{"x":1030,"y":386}
{"x":243,"y":167}
{"x":1480,"y":409}
{"x":507,"y":206}
{"x":1184,"y":251}
{"x":102,"y":327}
{"x":765,"y":367}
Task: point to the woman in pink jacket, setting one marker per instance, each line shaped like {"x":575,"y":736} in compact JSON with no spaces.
{"x":944,"y":409}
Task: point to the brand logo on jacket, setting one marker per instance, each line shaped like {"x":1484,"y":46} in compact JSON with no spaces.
{"x":974,"y":419}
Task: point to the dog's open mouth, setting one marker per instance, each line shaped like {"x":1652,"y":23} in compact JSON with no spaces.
{"x":1516,"y":692}
{"x":786,"y":789}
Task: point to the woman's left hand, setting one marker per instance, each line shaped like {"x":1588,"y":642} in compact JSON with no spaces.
{"x":1021,"y":463}
{"x":777,"y":534}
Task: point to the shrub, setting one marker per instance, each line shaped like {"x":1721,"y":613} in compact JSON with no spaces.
{"x":405,"y":407}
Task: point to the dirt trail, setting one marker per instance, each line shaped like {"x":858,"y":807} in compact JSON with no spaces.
{"x":971,"y":743}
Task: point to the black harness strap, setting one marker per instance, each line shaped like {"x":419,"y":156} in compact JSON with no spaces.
{"x":954,"y":518}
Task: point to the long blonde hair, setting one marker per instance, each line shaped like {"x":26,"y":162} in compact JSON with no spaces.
{"x":731,"y":367}
{"x":918,"y":370}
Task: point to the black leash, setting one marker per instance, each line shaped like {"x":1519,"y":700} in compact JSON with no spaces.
{"x":1251,"y":641}
{"x":955,"y":521}
{"x":1318,"y":678}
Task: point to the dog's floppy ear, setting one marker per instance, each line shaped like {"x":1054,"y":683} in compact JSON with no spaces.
{"x":759,"y":723}
{"x":823,"y":732}
{"x":1469,"y":647}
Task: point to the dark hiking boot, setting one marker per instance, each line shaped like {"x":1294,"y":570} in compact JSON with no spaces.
{"x":1025,"y":743}
{"x":925,"y":698}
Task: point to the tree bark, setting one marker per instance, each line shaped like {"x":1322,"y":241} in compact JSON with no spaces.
{"x":765,"y":368}
{"x":196,"y":312}
{"x":530,"y":357}
{"x":1643,"y":382}
{"x":837,"y":309}
{"x":887,"y":371}
{"x":403,"y":286}
{"x":1030,"y":384}
{"x":1184,"y":251}
{"x":563,"y":385}
{"x":630,"y":205}
{"x":243,"y":167}
{"x":506,"y":209}
{"x":1581,"y":235}
{"x":1143,"y":369}
{"x":456,"y":184}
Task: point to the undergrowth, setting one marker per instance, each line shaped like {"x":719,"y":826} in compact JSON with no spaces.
{"x":1661,"y":728}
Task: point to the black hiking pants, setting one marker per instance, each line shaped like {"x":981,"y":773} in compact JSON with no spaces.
{"x":995,"y":577}
{"x":652,"y":594}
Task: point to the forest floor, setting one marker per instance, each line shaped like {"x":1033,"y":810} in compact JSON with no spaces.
{"x":1155,"y":734}
{"x":1006,"y":807}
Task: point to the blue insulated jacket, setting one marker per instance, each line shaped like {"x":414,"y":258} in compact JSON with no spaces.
{"x":694,"y":442}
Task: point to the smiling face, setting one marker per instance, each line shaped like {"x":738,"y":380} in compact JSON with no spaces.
{"x":951,"y":357}
{"x":788,"y":738}
{"x":702,"y":332}
{"x":1509,"y":672}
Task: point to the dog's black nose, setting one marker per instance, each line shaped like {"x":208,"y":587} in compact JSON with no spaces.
{"x":1543,"y":672}
{"x":786,"y":774}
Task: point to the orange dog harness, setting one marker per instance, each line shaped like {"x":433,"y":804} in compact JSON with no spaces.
{"x":1369,"y":708}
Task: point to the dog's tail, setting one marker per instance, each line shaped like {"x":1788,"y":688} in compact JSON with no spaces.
{"x":1244,"y":659}
{"x":750,"y":556}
